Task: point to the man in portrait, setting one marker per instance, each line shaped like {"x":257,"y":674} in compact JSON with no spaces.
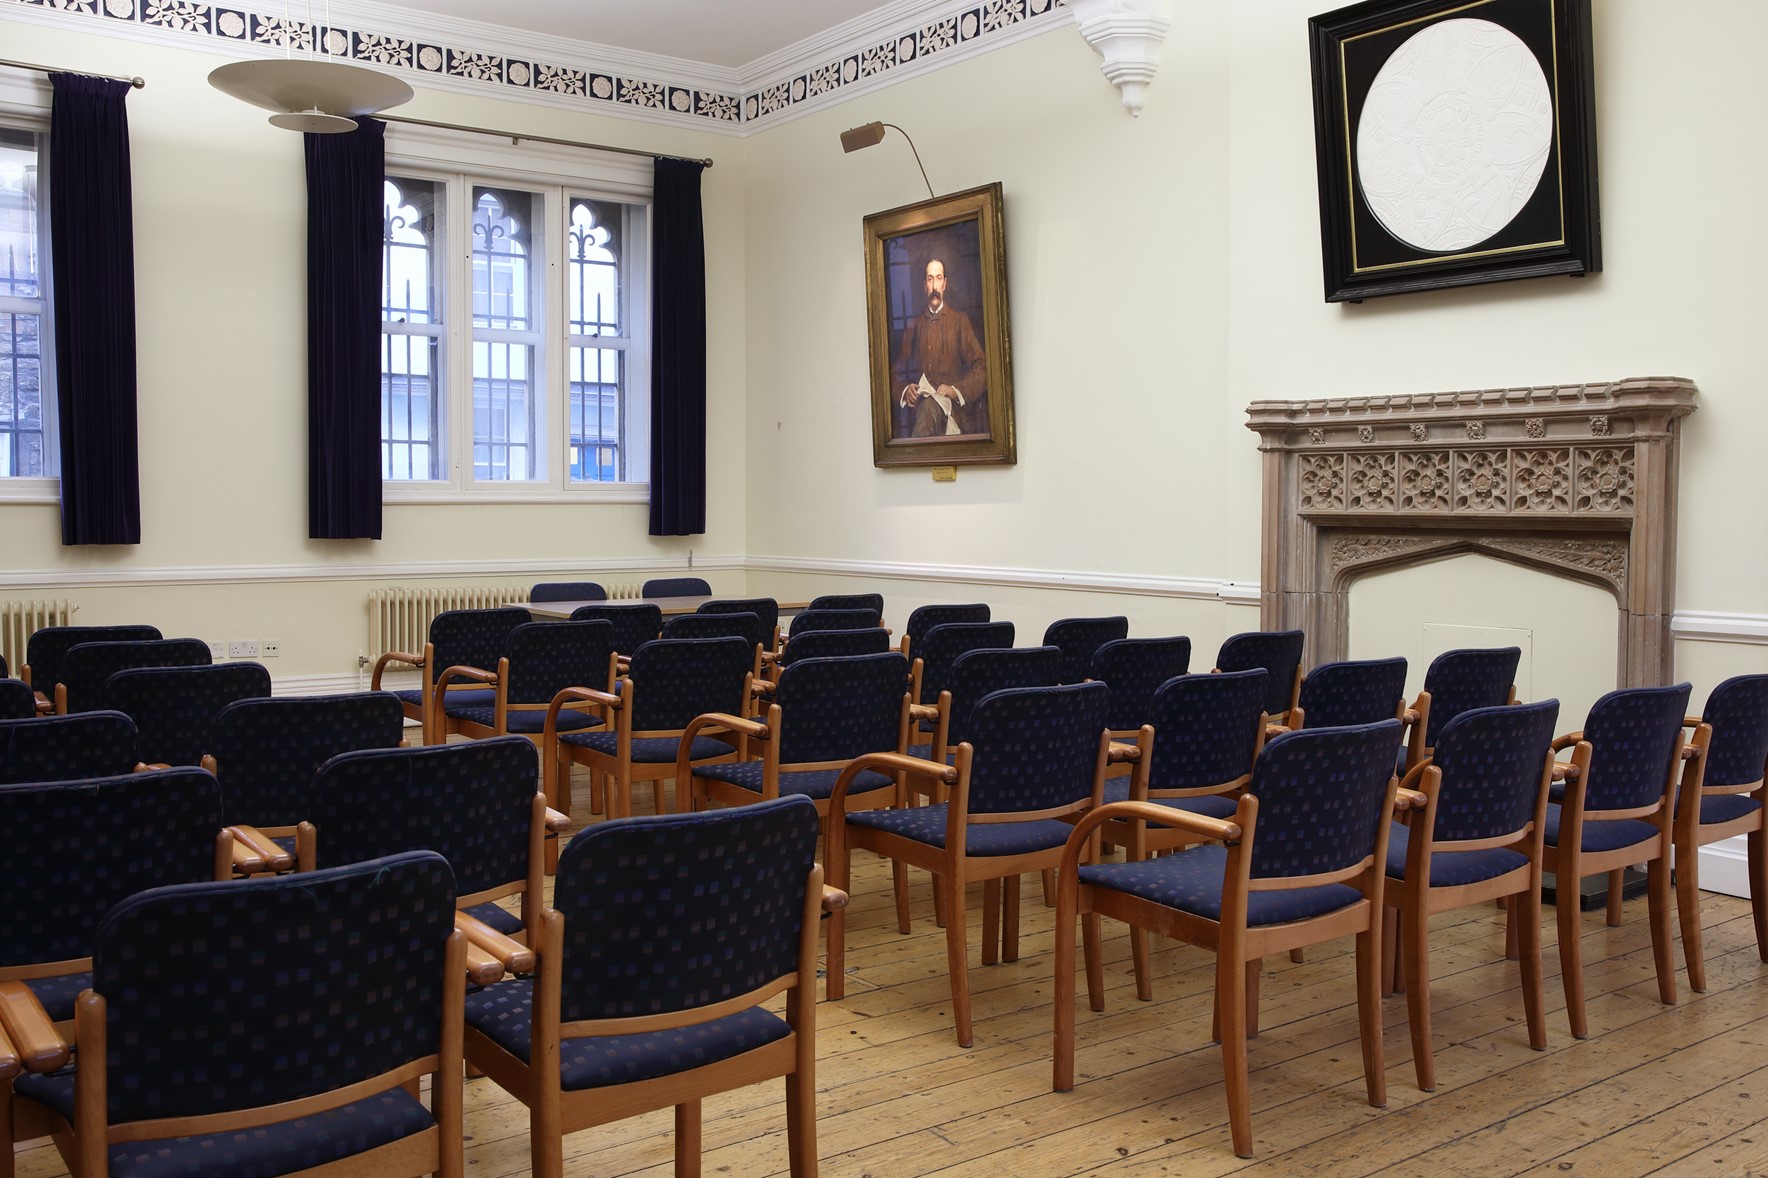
{"x":941,"y":370}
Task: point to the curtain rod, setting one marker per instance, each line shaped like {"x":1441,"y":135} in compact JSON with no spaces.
{"x":138,"y":83}
{"x":518,"y":136}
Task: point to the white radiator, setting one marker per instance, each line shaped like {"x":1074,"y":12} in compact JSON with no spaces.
{"x":20,"y":619}
{"x":399,"y":619}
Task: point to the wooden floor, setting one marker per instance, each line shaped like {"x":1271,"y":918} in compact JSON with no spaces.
{"x":1654,"y":1090}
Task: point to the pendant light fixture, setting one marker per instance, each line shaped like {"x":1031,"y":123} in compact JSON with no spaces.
{"x":316,"y":94}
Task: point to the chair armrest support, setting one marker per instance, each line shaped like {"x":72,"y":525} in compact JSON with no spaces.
{"x":39,"y":1045}
{"x":510,"y":955}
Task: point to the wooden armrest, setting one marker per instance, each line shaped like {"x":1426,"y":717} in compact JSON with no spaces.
{"x":1561,"y":743}
{"x":250,"y":842}
{"x":45,"y":705}
{"x":1565,"y":772}
{"x":149,"y":766}
{"x":475,"y":674}
{"x":1689,"y":752}
{"x":509,"y":954}
{"x":1410,"y":716}
{"x":1215,"y":830}
{"x":587,"y":695}
{"x":737,"y":724}
{"x":1409,"y":799}
{"x":902,"y":762}
{"x":833,"y":898}
{"x":393,"y":656}
{"x":557,"y":821}
{"x":770,"y":658}
{"x":760,"y":687}
{"x":482,"y":967}
{"x":9,"y":1066}
{"x":923,"y":712}
{"x":39,"y":1045}
{"x":1276,"y":730}
{"x":1119,"y":753}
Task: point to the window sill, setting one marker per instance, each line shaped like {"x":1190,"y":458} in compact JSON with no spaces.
{"x":37,"y":491}
{"x":443,"y":495}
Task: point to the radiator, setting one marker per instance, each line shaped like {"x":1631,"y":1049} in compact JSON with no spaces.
{"x":20,"y":619}
{"x":399,"y":619}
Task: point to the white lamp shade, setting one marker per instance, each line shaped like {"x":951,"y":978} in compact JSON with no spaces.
{"x":310,"y":87}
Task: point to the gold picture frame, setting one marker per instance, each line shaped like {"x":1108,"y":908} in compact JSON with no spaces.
{"x":936,"y":315}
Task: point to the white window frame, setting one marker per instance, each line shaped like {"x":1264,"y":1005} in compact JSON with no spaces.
{"x":24,"y":105}
{"x":463,"y":161}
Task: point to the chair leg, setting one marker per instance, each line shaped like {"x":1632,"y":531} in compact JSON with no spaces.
{"x":899,"y":888}
{"x":1062,"y":1037}
{"x":1617,"y":882}
{"x":956,"y":960}
{"x":840,"y":875}
{"x":1511,"y":904}
{"x":1297,"y":956}
{"x":657,"y":798}
{"x":1139,"y":955}
{"x":1390,"y":957}
{"x":1095,"y":965}
{"x":1757,"y":841}
{"x":1417,"y":969}
{"x":1688,"y":914}
{"x":687,"y":1139}
{"x":938,"y":900}
{"x":801,"y":1124}
{"x":1010,"y":918}
{"x":546,"y":1144}
{"x":991,"y":921}
{"x":1369,"y":1015}
{"x":1049,"y":887}
{"x":1571,"y":956}
{"x":1657,"y":875}
{"x":1254,"y":971}
{"x":1525,"y":926}
{"x":1231,"y":1017}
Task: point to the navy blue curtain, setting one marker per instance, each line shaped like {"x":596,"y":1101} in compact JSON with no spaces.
{"x":678,"y":351}
{"x":92,"y":255}
{"x":345,"y":176}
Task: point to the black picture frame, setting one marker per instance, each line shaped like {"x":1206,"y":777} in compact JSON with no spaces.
{"x":1556,"y":230}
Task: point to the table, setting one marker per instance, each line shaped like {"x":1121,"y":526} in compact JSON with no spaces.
{"x":671,"y":606}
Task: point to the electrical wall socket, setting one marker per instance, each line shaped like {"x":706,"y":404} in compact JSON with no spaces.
{"x":217,"y":649}
{"x":270,"y":647}
{"x":242,"y":648}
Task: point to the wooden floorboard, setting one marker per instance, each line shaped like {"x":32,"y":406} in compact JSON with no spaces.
{"x":1656,"y":1089}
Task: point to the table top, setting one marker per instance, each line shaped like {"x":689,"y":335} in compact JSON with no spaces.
{"x":671,"y":606}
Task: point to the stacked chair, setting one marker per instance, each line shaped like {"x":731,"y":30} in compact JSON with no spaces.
{"x":540,"y":660}
{"x":457,"y":638}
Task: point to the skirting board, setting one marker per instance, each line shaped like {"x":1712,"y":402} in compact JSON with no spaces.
{"x":1724,"y":867}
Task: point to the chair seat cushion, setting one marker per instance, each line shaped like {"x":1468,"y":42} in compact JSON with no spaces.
{"x":1451,"y":869}
{"x":264,"y":1152}
{"x":1725,"y":807}
{"x":647,"y":750}
{"x":926,"y":824}
{"x":1602,"y":836}
{"x":476,"y":697}
{"x":498,"y":917}
{"x":503,"y":1013}
{"x":816,"y":784}
{"x":1191,"y":881}
{"x":1117,"y":789}
{"x":523,"y":722}
{"x":57,"y":994}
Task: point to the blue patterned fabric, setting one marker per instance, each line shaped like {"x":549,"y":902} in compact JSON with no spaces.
{"x":871,"y":601}
{"x":940,"y":647}
{"x":647,"y":750}
{"x":765,"y":608}
{"x":1602,"y":836}
{"x":1491,"y":761}
{"x":1738,"y":712}
{"x":1206,"y":728}
{"x":1191,"y":881}
{"x":470,"y":803}
{"x":174,"y":708}
{"x":1460,"y":680}
{"x":1361,"y":691}
{"x":412,"y":699}
{"x":544,"y":658}
{"x":471,"y":638}
{"x":86,"y":668}
{"x":1134,"y":668}
{"x":1277,"y":651}
{"x":74,"y":849}
{"x":504,"y":1013}
{"x":224,"y":996}
{"x":1450,"y":869}
{"x":924,"y":618}
{"x":66,"y":748}
{"x":526,"y":723}
{"x":675,"y":587}
{"x":746,"y":626}
{"x":1633,"y":733}
{"x":835,"y":644}
{"x":813,"y":620}
{"x":1080,"y":638}
{"x":676,"y":679}
{"x":815,"y":784}
{"x":926,"y":824}
{"x":58,"y":993}
{"x":497,"y":916}
{"x":976,"y":673}
{"x":1726,"y":807}
{"x":47,"y":647}
{"x":1117,"y":789}
{"x":635,"y":623}
{"x":267,"y":750}
{"x":838,"y":709}
{"x":1035,"y":748}
{"x":567,"y":591}
{"x":682,"y":911}
{"x":18,"y":701}
{"x":1322,"y":798}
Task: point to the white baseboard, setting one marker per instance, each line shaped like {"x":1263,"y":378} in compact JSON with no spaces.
{"x":1724,"y":867}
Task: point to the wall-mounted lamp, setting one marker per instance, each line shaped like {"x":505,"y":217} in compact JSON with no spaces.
{"x":873,"y":133}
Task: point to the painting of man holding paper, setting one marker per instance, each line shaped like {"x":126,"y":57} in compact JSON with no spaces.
{"x":941,"y":369}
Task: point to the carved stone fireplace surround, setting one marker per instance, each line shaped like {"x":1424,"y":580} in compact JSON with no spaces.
{"x":1575,"y":480}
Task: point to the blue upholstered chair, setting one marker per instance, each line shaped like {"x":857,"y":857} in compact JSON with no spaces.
{"x":1301,"y":862}
{"x":1080,"y":638}
{"x":828,"y":644}
{"x":1722,"y":795}
{"x":1134,"y":668}
{"x":540,"y":660}
{"x":457,"y":638}
{"x":295,"y":1010}
{"x":265,"y":753}
{"x":1036,"y":756}
{"x":567,"y":591}
{"x":66,"y":748}
{"x":1474,"y":836}
{"x":834,"y":619}
{"x":17,"y":700}
{"x":978,"y":673}
{"x":1456,"y":681}
{"x":174,"y":708}
{"x":940,"y":647}
{"x":45,"y":649}
{"x":635,"y":622}
{"x":86,"y":668}
{"x":670,"y":682}
{"x":675,"y":587}
{"x":1277,"y":651}
{"x":871,"y":601}
{"x":825,"y":712}
{"x":666,"y":937}
{"x":1617,"y":810}
{"x":765,"y":608}
{"x":923,"y":618}
{"x":1356,"y":691}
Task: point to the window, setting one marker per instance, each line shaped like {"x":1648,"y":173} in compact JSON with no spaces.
{"x":27,"y":388}
{"x":509,"y":312}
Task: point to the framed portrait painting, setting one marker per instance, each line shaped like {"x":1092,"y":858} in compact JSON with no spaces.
{"x":936,"y":313}
{"x":1456,"y":143}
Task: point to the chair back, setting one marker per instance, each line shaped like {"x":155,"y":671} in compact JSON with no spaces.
{"x":940,"y":647}
{"x":1491,"y":760}
{"x":675,"y":587}
{"x":676,"y":679}
{"x":1079,"y":638}
{"x":330,"y":977}
{"x":75,"y":849}
{"x":635,"y":623}
{"x":1738,"y":713}
{"x":267,"y":750}
{"x":472,"y":803}
{"x":1634,"y":734}
{"x":977,"y":673}
{"x":86,"y":668}
{"x":1134,"y":668}
{"x":871,"y":601}
{"x":836,"y":709}
{"x":174,"y":708}
{"x":835,"y":619}
{"x":547,"y":657}
{"x":924,"y":617}
{"x":1277,"y":651}
{"x":1461,"y":679}
{"x":826,"y":644}
{"x":66,"y":748}
{"x":45,"y":649}
{"x":567,"y":591}
{"x":765,"y":608}
{"x":677,"y":912}
{"x":1035,"y":748}
{"x":1207,"y":728}
{"x":17,"y":700}
{"x":472,"y":637}
{"x":1357,"y":691}
{"x":1322,"y":798}
{"x":746,"y":626}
